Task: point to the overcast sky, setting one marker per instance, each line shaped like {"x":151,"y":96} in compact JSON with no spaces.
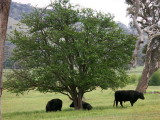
{"x":115,"y":7}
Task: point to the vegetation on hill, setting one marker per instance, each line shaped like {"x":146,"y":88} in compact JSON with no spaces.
{"x":18,"y":9}
{"x":16,"y":12}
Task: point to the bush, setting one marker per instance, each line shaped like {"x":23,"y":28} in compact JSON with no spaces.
{"x":133,"y":78}
{"x":155,"y":79}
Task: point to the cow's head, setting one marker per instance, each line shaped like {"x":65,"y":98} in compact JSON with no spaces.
{"x":141,"y":96}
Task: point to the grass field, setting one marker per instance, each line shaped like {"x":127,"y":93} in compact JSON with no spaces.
{"x":31,"y":106}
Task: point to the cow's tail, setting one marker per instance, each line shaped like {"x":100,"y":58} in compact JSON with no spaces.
{"x":114,"y":102}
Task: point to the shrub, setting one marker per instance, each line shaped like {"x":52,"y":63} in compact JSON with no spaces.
{"x":133,"y":78}
{"x":155,"y":79}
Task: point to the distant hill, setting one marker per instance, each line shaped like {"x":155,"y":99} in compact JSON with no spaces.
{"x":17,"y":9}
{"x":16,"y":12}
{"x":125,"y":28}
{"x":15,"y":15}
{"x":11,"y":24}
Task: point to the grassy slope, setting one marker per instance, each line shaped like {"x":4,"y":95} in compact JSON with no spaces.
{"x":31,"y":106}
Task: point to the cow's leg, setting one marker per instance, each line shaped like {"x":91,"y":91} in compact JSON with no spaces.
{"x":116,"y":103}
{"x":131,"y":103}
{"x":121,"y":103}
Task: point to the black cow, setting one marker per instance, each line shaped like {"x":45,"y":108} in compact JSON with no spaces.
{"x":54,"y":105}
{"x":86,"y":106}
{"x":127,"y":95}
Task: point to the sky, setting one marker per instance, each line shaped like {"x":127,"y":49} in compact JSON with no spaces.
{"x":115,"y":7}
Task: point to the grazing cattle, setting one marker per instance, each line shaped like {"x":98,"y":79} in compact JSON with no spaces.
{"x":54,"y":105}
{"x":127,"y":95}
{"x":86,"y":106}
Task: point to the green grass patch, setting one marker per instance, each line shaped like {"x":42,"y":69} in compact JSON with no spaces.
{"x":31,"y":106}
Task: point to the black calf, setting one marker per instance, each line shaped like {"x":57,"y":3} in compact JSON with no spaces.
{"x":86,"y":106}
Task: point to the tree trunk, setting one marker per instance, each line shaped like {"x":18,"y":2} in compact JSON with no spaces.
{"x":78,"y":102}
{"x":140,"y":33}
{"x":4,"y":13}
{"x":152,"y":63}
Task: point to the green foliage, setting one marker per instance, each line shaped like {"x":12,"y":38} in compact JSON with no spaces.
{"x":135,"y":74}
{"x":8,"y":63}
{"x":155,"y":79}
{"x":133,"y":78}
{"x":69,"y":50}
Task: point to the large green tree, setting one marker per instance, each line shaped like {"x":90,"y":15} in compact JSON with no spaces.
{"x":71,"y":51}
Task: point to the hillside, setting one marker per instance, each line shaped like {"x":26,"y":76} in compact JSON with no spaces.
{"x":17,"y":9}
{"x":16,"y":12}
{"x":12,"y":24}
{"x":15,"y":15}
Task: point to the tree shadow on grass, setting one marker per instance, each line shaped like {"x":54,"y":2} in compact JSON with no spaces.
{"x":23,"y":113}
{"x":33,"y":112}
{"x":28,"y":113}
{"x":109,"y":107}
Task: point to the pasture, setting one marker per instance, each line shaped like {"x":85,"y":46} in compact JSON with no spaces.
{"x":31,"y":106}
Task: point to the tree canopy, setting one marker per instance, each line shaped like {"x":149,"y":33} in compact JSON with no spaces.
{"x":69,"y":50}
